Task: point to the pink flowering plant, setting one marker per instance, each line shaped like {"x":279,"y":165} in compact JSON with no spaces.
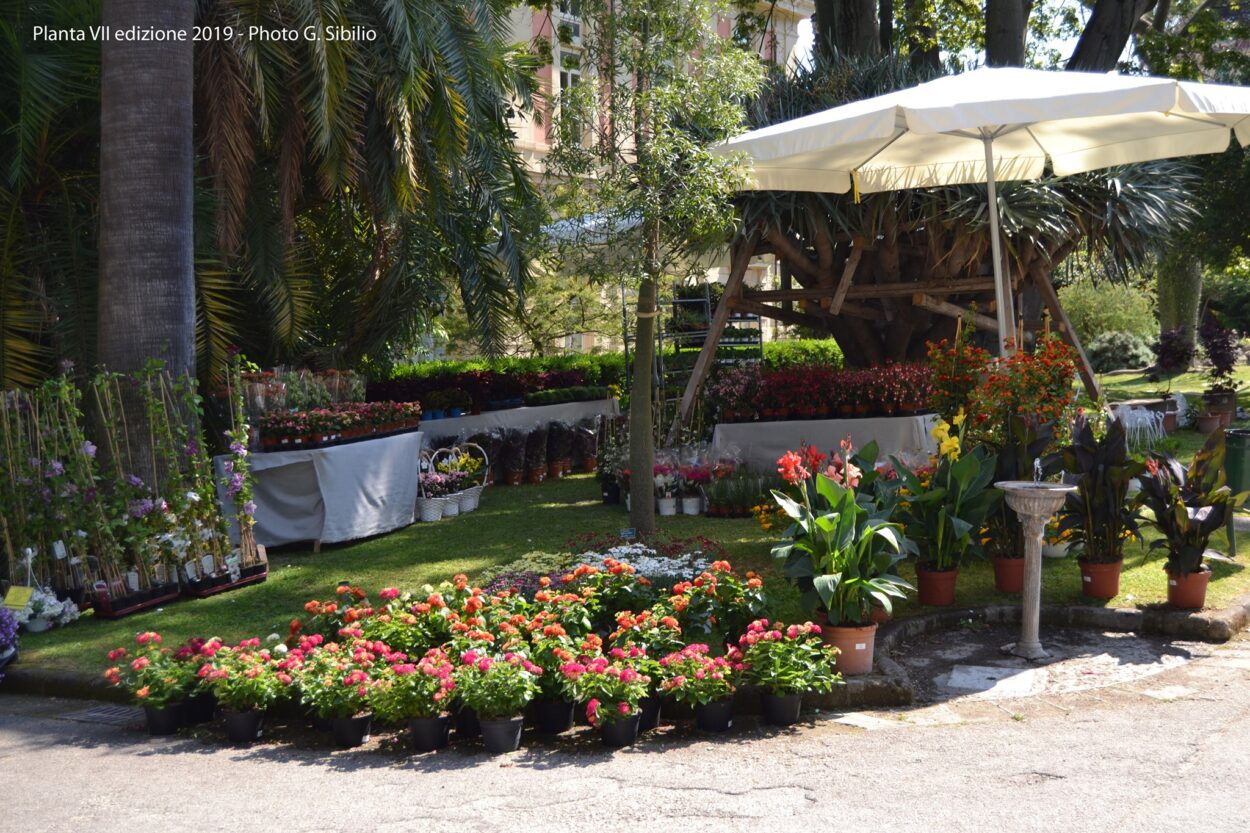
{"x":693,"y":677}
{"x":245,"y":677}
{"x":785,"y":659}
{"x":497,"y":686}
{"x":334,"y":681}
{"x":150,"y":672}
{"x":612,"y":687}
{"x":408,"y":690}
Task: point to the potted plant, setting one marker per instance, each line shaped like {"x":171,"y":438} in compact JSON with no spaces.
{"x":1188,"y":506}
{"x":417,"y":694}
{"x":246,"y":681}
{"x":1221,"y":347}
{"x":559,"y":449}
{"x":334,"y":682}
{"x":841,"y":552}
{"x":497,"y":689}
{"x":157,"y":681}
{"x":944,"y":515}
{"x":45,"y":611}
{"x":665,"y":477}
{"x":586,"y":447}
{"x":553,"y":706}
{"x":786,"y":661}
{"x":8,"y":638}
{"x":512,"y":456}
{"x":1097,"y":518}
{"x":694,"y":678}
{"x":613,"y":691}
{"x":536,"y":454}
{"x":643,"y":636}
{"x":693,"y":479}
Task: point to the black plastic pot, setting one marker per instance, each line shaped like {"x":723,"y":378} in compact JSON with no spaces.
{"x":467,"y":724}
{"x":611,"y":493}
{"x":620,"y":733}
{"x":245,"y":727}
{"x":717,"y":716}
{"x":551,"y":717}
{"x":649,"y":715}
{"x":165,"y":720}
{"x":429,"y":733}
{"x":201,"y":708}
{"x":781,"y":709}
{"x":502,"y":735}
{"x":351,"y":731}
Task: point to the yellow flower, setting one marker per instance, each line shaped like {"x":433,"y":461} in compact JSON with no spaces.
{"x":959,"y":418}
{"x":950,"y":448}
{"x":940,"y":432}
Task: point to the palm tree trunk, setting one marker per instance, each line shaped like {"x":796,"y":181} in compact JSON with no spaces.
{"x":1180,"y":292}
{"x":147,"y":274}
{"x":641,"y":427}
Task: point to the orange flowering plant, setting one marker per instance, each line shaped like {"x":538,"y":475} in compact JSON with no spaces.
{"x":151,"y":672}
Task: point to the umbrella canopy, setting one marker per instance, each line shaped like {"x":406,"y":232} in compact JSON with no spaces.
{"x":991,"y":125}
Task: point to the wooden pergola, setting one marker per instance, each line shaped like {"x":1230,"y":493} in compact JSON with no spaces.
{"x":882,"y":298}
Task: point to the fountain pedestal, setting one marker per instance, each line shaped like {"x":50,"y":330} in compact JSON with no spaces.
{"x":1034,"y":502}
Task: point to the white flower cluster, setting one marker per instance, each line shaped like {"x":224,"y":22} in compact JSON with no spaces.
{"x":45,"y":605}
{"x":650,"y":563}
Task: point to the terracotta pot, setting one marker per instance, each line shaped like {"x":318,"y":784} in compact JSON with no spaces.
{"x":937,"y":587}
{"x":855,"y":646}
{"x":555,"y":470}
{"x":536,"y":474}
{"x":1008,"y":574}
{"x":1188,"y":592}
{"x":1101,"y":581}
{"x":879,"y":615}
{"x":513,"y":478}
{"x":1169,"y":422}
{"x":1209,"y":423}
{"x":1226,"y":419}
{"x":589,"y":464}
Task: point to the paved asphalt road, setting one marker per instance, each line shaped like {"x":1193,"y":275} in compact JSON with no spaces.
{"x":1165,"y":753}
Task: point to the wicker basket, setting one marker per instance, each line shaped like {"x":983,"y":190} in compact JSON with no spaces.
{"x":430,"y":509}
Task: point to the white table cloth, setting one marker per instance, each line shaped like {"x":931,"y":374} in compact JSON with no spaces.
{"x":465,"y":426}
{"x":333,"y":494}
{"x":760,"y":444}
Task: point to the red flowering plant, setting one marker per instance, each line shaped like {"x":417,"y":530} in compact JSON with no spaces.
{"x":958,"y":367}
{"x":785,"y":659}
{"x":245,"y":677}
{"x":615,"y":586}
{"x":497,"y":685}
{"x":659,"y":634}
{"x":612,"y":687}
{"x":692,"y":478}
{"x":334,"y":680}
{"x":717,"y":603}
{"x":1033,"y":386}
{"x":693,"y":677}
{"x":150,"y":672}
{"x":565,"y":604}
{"x":407,"y":690}
{"x":550,"y":649}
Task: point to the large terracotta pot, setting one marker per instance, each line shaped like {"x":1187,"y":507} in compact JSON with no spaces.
{"x":937,"y":587}
{"x":855,"y":646}
{"x":1188,"y":592}
{"x":1008,"y":575}
{"x":1101,"y":581}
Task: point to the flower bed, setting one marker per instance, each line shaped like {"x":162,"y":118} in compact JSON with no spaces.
{"x":747,"y":392}
{"x":596,"y":634}
{"x":336,"y":424}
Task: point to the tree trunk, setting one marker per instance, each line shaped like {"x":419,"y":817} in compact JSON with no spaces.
{"x":922,"y":46}
{"x":885,"y":23}
{"x":1103,"y":40}
{"x":1006,"y":22}
{"x":641,"y":415}
{"x":147,"y":269}
{"x":1179,"y":282}
{"x":846,"y":28}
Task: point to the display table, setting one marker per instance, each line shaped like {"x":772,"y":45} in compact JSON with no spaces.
{"x":760,"y":444}
{"x":526,"y":418}
{"x":326,"y":495}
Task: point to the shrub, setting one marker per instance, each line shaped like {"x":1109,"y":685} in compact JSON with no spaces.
{"x":1116,"y":350}
{"x":804,"y":351}
{"x":1096,"y":308}
{"x":1220,"y":345}
{"x":1229,"y":294}
{"x":1173,"y":350}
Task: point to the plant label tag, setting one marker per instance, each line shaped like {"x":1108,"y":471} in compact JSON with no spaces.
{"x":1171,"y":582}
{"x":101,"y":587}
{"x":192,"y":570}
{"x":629,"y":533}
{"x":75,"y":561}
{"x":58,"y":549}
{"x":206,"y":564}
{"x":18,"y":597}
{"x":1087,"y":579}
{"x":132,"y":581}
{"x":861,"y":646}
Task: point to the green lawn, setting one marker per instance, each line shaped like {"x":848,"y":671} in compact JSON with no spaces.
{"x":1136,"y":385}
{"x":512,"y":522}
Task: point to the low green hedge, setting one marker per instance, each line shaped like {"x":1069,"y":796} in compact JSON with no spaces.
{"x":598,"y":368}
{"x":580,"y":393}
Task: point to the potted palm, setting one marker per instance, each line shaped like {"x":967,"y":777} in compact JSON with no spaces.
{"x":944,"y":514}
{"x":497,"y":690}
{"x":417,"y":694}
{"x":1188,"y":506}
{"x":1097,"y":518}
{"x":841,"y":555}
{"x":786,"y":662}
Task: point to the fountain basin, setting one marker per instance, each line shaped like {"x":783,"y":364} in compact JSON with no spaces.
{"x":1034,"y":499}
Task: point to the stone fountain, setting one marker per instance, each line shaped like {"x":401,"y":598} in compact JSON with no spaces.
{"x":1034,"y":501}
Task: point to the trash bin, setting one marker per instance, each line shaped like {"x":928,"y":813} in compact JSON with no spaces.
{"x":1236,"y":471}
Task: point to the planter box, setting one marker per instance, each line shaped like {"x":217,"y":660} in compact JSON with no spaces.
{"x":107,"y":607}
{"x":210,"y":587}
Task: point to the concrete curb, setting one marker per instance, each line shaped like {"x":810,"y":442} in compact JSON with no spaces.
{"x":888,"y":686}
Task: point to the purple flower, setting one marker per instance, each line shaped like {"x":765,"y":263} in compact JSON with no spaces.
{"x":236,"y":484}
{"x":227,"y":466}
{"x":141,"y":508}
{"x":192,"y":448}
{"x":55,"y":469}
{"x":134,"y":481}
{"x":249,"y":508}
{"x":88,"y":494}
{"x":33,"y":461}
{"x":238,"y":449}
{"x":88,"y":448}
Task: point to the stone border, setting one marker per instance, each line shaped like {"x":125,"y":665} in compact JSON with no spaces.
{"x":889,"y":685}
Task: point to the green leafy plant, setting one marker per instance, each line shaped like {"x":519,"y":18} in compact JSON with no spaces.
{"x":786,"y":659}
{"x":1188,"y":504}
{"x":1098,"y":517}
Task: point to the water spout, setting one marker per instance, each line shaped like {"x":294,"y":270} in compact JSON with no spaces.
{"x":1037,"y":470}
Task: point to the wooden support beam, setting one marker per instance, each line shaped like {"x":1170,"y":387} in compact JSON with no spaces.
{"x":798,"y":319}
{"x":787,"y":283}
{"x":941,"y":307}
{"x":1067,"y":333}
{"x":876,"y":290}
{"x":848,"y":274}
{"x":740,"y":260}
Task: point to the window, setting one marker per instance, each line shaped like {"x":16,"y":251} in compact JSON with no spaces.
{"x":571,"y":18}
{"x":570,"y":70}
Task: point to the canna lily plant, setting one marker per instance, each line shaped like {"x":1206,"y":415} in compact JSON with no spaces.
{"x":842,"y":554}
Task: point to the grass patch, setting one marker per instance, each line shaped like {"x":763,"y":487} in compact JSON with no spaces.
{"x":512,"y":522}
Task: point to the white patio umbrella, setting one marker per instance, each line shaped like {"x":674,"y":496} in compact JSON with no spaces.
{"x":993,"y":125}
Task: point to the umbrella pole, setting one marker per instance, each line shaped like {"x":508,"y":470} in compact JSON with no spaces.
{"x":1002,"y":285}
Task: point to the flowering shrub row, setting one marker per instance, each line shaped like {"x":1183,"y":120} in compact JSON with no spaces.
{"x":337,"y":422}
{"x":747,"y":392}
